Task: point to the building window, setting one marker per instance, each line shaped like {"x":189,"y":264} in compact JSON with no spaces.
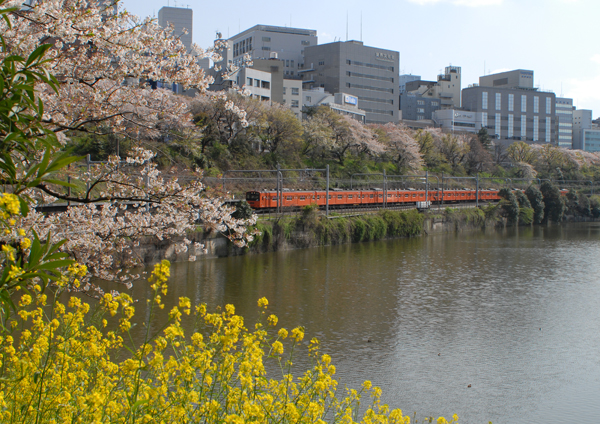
{"x":265,"y":84}
{"x":434,"y":104}
{"x":498,"y":101}
{"x":257,"y":83}
{"x":420,"y":118}
{"x":287,"y":63}
{"x":484,"y":100}
{"x":497,"y":125}
{"x":305,"y":43}
{"x":295,"y":103}
{"x":420,"y":110}
{"x":421,"y":102}
{"x":292,"y":63}
{"x":266,"y":48}
{"x":536,"y":127}
{"x":511,"y":123}
{"x":523,"y":127}
{"x":266,"y":39}
{"x":249,"y":82}
{"x":548,"y":128}
{"x":511,"y":102}
{"x":308,"y":99}
{"x":484,"y":119}
{"x":548,"y":105}
{"x":321,"y":63}
{"x":295,"y":91}
{"x":284,"y":90}
{"x":536,"y":104}
{"x":523,"y":103}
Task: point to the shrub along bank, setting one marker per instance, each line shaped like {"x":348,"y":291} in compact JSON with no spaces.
{"x":311,"y":229}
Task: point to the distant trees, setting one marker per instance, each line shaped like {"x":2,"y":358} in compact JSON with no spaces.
{"x":536,"y":199}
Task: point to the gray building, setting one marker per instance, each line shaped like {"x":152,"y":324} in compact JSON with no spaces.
{"x":181,"y":19}
{"x":582,"y":120}
{"x":368,"y":73}
{"x":406,"y":78}
{"x":519,"y":78}
{"x":564,"y":122}
{"x":513,"y":113}
{"x":447,"y":88}
{"x":266,"y":42}
{"x":416,"y":107}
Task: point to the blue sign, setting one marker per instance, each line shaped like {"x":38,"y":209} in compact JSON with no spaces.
{"x":351,"y":100}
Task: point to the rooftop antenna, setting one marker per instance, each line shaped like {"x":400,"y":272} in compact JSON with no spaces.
{"x":361,"y":26}
{"x":346,"y":25}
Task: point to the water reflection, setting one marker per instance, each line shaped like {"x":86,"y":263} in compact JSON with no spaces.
{"x":514,"y":314}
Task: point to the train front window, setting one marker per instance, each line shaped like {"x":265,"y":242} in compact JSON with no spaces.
{"x":252,"y":196}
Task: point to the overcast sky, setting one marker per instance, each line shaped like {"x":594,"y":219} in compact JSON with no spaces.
{"x":557,"y":39}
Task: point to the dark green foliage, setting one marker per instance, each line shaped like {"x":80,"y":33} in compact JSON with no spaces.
{"x":584,"y":205}
{"x":526,"y":215}
{"x":509,"y":205}
{"x":243,"y":210}
{"x":522,"y":199}
{"x":484,"y":138}
{"x":536,"y":200}
{"x":555,"y":204}
{"x":595,"y":206}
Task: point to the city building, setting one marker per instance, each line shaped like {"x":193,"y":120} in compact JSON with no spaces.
{"x":261,"y":41}
{"x":342,"y":103}
{"x":416,"y":107}
{"x":292,"y":96}
{"x":368,"y":73}
{"x":255,"y":82}
{"x":582,"y":121}
{"x":512,"y":109}
{"x":182,"y":21}
{"x":456,"y":120}
{"x":447,"y":88}
{"x":403,"y":79}
{"x":564,"y":122}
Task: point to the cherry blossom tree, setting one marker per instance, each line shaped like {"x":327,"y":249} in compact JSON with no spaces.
{"x":400,"y":146}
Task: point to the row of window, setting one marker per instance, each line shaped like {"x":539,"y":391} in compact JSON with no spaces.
{"x":368,"y":87}
{"x":257,"y":83}
{"x":370,"y":65}
{"x":242,"y":47}
{"x":380,"y":111}
{"x":376,"y":100}
{"x":295,"y":91}
{"x":510,"y":128}
{"x":374,"y":77}
{"x":511,"y":101}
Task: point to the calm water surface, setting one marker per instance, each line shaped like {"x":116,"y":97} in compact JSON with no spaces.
{"x":514,"y":314}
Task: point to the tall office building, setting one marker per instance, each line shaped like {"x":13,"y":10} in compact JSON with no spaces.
{"x":564,"y":122}
{"x":266,"y":42}
{"x":181,"y":19}
{"x":511,"y":109}
{"x":586,"y":134}
{"x":367,"y":73}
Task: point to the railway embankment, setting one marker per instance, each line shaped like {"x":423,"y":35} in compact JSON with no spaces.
{"x":312,"y":229}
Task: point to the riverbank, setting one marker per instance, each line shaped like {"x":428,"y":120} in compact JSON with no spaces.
{"x":312,"y":229}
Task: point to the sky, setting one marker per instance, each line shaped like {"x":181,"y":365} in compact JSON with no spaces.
{"x":554,"y":38}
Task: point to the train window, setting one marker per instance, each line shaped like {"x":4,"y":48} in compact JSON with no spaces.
{"x":349,"y":196}
{"x":252,"y":196}
{"x":288,"y":198}
{"x":339,"y":196}
{"x":274,"y":197}
{"x":318,"y":197}
{"x":389,"y":196}
{"x":302,"y":197}
{"x":371,"y":196}
{"x":414,"y":195}
{"x":406,"y":195}
{"x":330,"y":197}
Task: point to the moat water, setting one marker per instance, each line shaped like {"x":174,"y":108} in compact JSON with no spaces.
{"x":515,"y":315}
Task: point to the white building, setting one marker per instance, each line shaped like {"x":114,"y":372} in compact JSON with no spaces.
{"x":457,"y":120}
{"x":182,"y":21}
{"x":292,"y":96}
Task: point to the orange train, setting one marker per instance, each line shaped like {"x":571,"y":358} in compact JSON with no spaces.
{"x":264,"y":200}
